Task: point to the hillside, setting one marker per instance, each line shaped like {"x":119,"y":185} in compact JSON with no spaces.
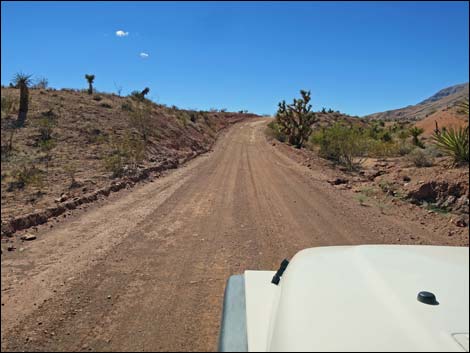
{"x":74,"y":144}
{"x":444,"y":100}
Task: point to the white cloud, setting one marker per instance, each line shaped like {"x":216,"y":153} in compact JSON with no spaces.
{"x":144,"y":55}
{"x":121,"y":33}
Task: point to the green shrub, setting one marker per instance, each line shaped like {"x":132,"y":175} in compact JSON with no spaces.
{"x":46,"y":124}
{"x":343,"y":144}
{"x":274,"y":131}
{"x":126,"y":106}
{"x":140,"y":96}
{"x":106,"y":105}
{"x":183,"y":118}
{"x":26,"y":174}
{"x":381,"y":149}
{"x":125,"y":154}
{"x":454,"y":143}
{"x":140,"y":118}
{"x":9,"y":105}
{"x":193,"y":116}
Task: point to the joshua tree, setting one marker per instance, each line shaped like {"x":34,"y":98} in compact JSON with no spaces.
{"x":295,"y":120}
{"x":90,"y":79}
{"x":22,"y":81}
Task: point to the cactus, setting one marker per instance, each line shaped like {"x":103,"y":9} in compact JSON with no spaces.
{"x":295,"y":120}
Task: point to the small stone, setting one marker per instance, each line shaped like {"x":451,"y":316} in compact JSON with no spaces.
{"x":338,"y":181}
{"x":109,"y":297}
{"x":11,"y":248}
{"x":461,"y":222}
{"x":28,"y":237}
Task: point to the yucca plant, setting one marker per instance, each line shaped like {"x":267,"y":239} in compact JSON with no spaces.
{"x":464,"y":106}
{"x":22,"y":81}
{"x":415,"y":132}
{"x":90,"y":79}
{"x":453,"y":142}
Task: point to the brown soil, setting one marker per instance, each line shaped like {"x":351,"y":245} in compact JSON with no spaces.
{"x":146,"y":269}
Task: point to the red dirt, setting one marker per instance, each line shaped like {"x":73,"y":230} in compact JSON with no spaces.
{"x":447,"y":118}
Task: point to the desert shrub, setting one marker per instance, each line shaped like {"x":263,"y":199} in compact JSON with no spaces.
{"x":183,"y":118}
{"x":9,"y":105}
{"x":41,"y":83}
{"x":389,"y":188}
{"x":193,"y":116}
{"x":126,"y":106}
{"x":140,"y":118}
{"x":343,"y":144}
{"x":433,"y":151}
{"x":403,"y":134}
{"x":70,"y":170}
{"x":125,"y":155}
{"x":295,"y":120}
{"x":404,"y":148}
{"x":46,"y":146}
{"x":381,"y":149}
{"x":140,"y":96}
{"x":25,"y":173}
{"x":46,"y":124}
{"x":454,"y":143}
{"x":97,"y":98}
{"x":274,"y":131}
{"x":95,"y":135}
{"x":420,"y":158}
{"x":106,"y":105}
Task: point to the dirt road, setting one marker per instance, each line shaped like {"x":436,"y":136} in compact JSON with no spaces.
{"x":146,"y":269}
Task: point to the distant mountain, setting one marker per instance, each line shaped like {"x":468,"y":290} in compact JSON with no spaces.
{"x":444,"y":100}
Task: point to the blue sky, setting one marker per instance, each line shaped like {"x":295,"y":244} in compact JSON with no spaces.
{"x":356,"y":57}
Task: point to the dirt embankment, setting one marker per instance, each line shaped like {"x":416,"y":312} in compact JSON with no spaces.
{"x":436,"y":195}
{"x":95,"y":148}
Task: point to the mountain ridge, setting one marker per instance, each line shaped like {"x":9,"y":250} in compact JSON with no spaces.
{"x":445,"y":99}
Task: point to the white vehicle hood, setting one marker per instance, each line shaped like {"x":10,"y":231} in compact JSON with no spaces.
{"x":362,"y":298}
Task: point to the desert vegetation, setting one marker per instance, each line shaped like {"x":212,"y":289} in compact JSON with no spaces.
{"x":349,"y":141}
{"x":70,"y":142}
{"x":22,"y":81}
{"x":395,"y":160}
{"x":295,"y":120}
{"x":90,"y":79}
